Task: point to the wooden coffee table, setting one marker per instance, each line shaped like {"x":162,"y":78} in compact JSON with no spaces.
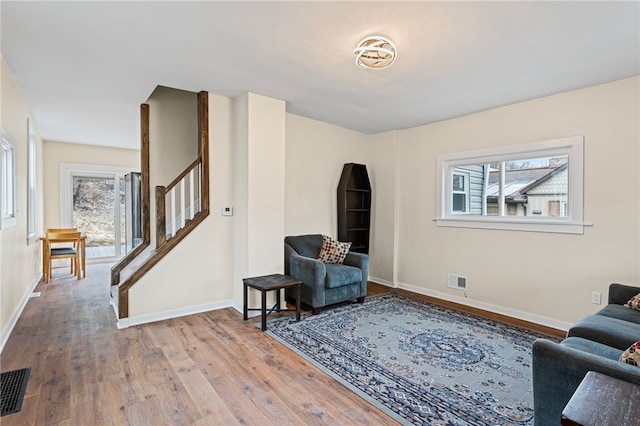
{"x":266,"y":283}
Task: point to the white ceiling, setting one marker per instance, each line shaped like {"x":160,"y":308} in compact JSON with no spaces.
{"x":85,"y":67}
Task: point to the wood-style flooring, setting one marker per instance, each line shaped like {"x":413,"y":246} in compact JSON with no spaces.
{"x":206,"y":369}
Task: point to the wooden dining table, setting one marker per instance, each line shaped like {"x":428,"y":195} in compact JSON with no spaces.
{"x":55,"y":239}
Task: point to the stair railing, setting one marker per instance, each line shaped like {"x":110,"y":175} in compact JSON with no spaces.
{"x":185,"y":216}
{"x":178,"y":203}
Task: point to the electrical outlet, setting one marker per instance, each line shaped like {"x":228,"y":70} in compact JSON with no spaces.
{"x":595,"y":297}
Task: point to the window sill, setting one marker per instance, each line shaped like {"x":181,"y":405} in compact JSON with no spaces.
{"x":529,"y":225}
{"x":8,"y":222}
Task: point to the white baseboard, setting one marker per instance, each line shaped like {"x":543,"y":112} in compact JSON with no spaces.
{"x":525,"y":316}
{"x":383,"y":282}
{"x":16,"y":314}
{"x":514,"y":313}
{"x":175,"y":313}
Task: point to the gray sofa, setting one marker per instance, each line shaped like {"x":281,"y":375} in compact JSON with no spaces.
{"x":324,"y":284}
{"x":594,"y":343}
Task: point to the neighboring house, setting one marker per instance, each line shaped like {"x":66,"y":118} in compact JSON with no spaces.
{"x":532,"y":191}
{"x":547,"y":196}
{"x":468,"y":183}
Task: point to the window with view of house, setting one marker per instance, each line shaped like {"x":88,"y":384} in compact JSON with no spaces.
{"x":520,"y":187}
{"x":459,"y":191}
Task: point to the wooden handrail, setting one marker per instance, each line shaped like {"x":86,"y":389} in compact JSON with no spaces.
{"x":161,"y":252}
{"x":203,"y":136}
{"x":181,"y":175}
{"x":146,"y":228}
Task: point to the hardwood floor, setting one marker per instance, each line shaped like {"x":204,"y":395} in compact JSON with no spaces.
{"x":206,"y":369}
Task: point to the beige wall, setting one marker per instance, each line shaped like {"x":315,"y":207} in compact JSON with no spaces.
{"x":314,"y":157}
{"x":259,"y":189}
{"x":383,"y":175}
{"x":537,"y":275}
{"x":173,"y":139}
{"x":173,"y":133}
{"x":19,"y":262}
{"x":56,"y":153}
{"x":266,"y":182}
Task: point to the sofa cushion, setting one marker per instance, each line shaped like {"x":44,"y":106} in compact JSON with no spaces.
{"x":606,"y":330}
{"x":305,"y":245}
{"x":621,"y":313}
{"x":592,"y":347}
{"x":340,"y":275}
{"x":632,"y":355}
{"x":333,"y":251}
{"x":634,"y":302}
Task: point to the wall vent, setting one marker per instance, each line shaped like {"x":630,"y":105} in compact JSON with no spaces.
{"x":457,"y":281}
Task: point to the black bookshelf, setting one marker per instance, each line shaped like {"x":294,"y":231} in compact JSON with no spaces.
{"x":354,"y":207}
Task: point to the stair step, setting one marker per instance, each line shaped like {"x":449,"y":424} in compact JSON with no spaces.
{"x":137,"y":263}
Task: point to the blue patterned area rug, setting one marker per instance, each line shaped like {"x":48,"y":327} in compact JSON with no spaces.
{"x":421,"y":363}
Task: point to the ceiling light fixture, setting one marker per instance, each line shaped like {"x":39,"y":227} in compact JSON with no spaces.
{"x":375,"y":52}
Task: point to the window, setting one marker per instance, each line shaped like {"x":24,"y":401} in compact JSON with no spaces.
{"x":31,"y":185}
{"x":459,"y":191}
{"x":8,"y":181}
{"x":532,"y":187}
{"x":92,"y":198}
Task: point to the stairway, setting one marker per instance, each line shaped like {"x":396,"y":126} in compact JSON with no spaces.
{"x":180,"y":207}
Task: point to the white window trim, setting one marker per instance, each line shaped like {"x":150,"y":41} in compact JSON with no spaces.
{"x":10,"y":219}
{"x":32,"y":161}
{"x":572,"y":146}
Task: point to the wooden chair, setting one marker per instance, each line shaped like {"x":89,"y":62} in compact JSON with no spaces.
{"x":66,"y":252}
{"x":59,"y":230}
{"x":62,"y":230}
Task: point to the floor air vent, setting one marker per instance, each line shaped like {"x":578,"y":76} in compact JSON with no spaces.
{"x":14,"y":385}
{"x":457,"y":281}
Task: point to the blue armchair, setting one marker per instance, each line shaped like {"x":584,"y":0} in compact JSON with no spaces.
{"x":324,"y":284}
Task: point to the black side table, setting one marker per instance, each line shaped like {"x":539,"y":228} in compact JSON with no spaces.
{"x":271,"y":282}
{"x":601,"y":400}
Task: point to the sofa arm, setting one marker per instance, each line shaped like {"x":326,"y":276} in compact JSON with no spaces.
{"x":619,"y":294}
{"x":557,"y":372}
{"x":312,"y":273}
{"x":360,"y":261}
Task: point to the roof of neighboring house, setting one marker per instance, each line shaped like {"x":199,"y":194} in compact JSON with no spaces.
{"x":518,"y":181}
{"x":554,"y":171}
